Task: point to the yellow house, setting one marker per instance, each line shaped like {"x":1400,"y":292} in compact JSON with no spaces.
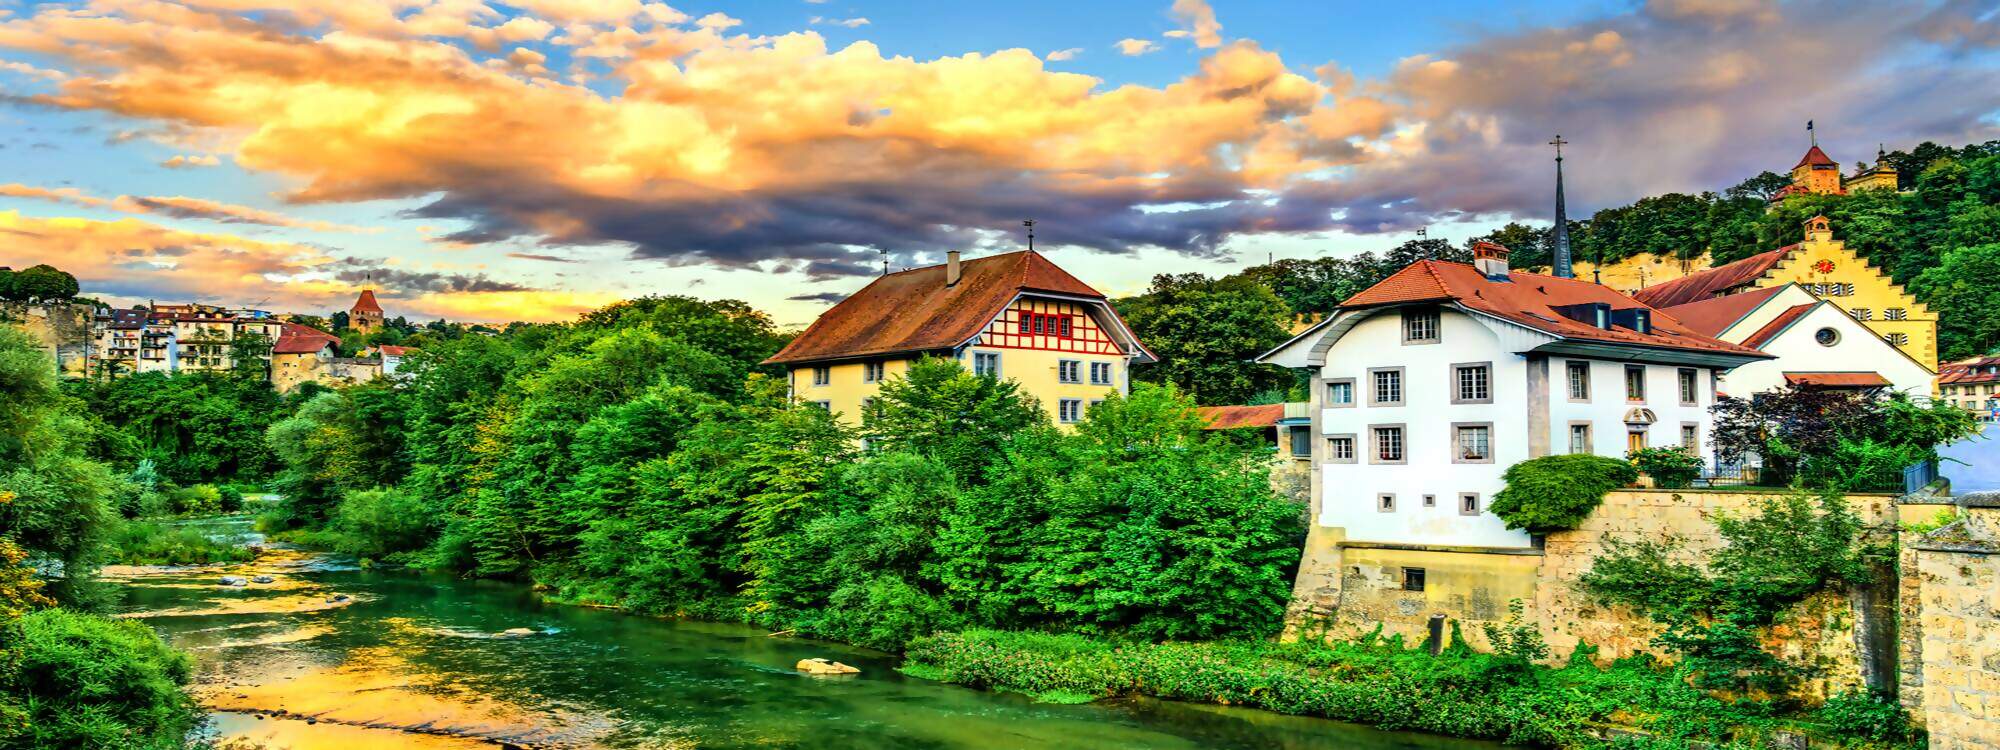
{"x":1015,"y":316}
{"x":1827,"y":269}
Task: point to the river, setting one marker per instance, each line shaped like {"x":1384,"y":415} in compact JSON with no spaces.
{"x":412,"y":661}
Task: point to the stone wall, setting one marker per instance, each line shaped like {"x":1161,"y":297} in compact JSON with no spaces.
{"x":63,"y":329}
{"x":1957,"y":569}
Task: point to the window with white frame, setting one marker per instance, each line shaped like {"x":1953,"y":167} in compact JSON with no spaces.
{"x":1862,"y":313}
{"x":822,"y":375}
{"x":1898,"y":339}
{"x":986,"y":363}
{"x":1691,"y":437}
{"x":1579,"y":438}
{"x":1895,"y":313}
{"x":871,"y":372}
{"x":1100,"y":373}
{"x":1420,"y":325}
{"x":1389,"y":444}
{"x":1340,"y":392}
{"x":1579,"y":381}
{"x":1472,"y":383}
{"x":1069,"y":410}
{"x":1635,"y":383}
{"x":1069,"y":371}
{"x":1388,"y":387}
{"x":1340,"y":449}
{"x":1690,"y":393}
{"x":1472,"y":443}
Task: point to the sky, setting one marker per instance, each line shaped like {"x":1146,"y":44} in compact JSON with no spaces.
{"x":482,"y":160}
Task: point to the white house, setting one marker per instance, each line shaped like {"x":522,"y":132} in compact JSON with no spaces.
{"x":1815,"y":343}
{"x":1428,"y":385}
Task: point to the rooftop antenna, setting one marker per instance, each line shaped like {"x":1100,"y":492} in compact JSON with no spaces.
{"x":1030,"y":224}
{"x":1561,"y":239}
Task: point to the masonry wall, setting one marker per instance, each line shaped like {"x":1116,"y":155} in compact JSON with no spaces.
{"x":1957,"y":569}
{"x":63,"y":330}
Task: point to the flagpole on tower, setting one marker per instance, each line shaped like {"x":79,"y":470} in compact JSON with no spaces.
{"x":1030,"y":224}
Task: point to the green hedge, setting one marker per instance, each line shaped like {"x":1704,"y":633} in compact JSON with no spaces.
{"x":1555,"y":493}
{"x":70,"y":680}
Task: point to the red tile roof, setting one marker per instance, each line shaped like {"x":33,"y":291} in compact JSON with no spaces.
{"x":393,"y":351}
{"x":1530,"y":300}
{"x":913,"y":311}
{"x":1778,"y":325}
{"x":1235,"y":417}
{"x":1709,"y":283}
{"x":1817,"y":158}
{"x":1958,"y":373}
{"x":297,"y":339}
{"x":1838,"y":379}
{"x":1712,"y":316}
{"x":367,"y":302}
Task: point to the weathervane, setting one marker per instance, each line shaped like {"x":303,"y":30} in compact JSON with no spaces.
{"x":1030,"y":224}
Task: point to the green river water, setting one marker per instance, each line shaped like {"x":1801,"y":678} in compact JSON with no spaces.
{"x":415,"y":662}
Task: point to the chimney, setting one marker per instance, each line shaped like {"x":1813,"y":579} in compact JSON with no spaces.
{"x":1490,"y":260}
{"x":952,"y":268}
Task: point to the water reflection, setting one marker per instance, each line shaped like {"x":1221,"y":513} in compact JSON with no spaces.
{"x":415,"y":662}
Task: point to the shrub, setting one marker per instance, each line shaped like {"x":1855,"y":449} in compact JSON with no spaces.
{"x":70,"y":680}
{"x":151,"y":543}
{"x":196,"y":500}
{"x":1555,"y":493}
{"x":380,"y":522}
{"x":1671,"y":468}
{"x":230,"y":499}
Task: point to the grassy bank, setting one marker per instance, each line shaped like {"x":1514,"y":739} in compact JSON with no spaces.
{"x":155,"y":543}
{"x":1382,"y":683}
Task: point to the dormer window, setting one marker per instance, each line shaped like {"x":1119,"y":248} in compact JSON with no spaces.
{"x":1420,"y":325}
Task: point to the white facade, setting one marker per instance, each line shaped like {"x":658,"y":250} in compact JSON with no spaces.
{"x":1801,"y":347}
{"x":1436,"y":494}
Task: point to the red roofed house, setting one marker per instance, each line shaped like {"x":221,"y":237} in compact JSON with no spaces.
{"x":1973,"y":384}
{"x":1014,"y":315}
{"x":305,"y":354}
{"x":1816,"y":343}
{"x":1428,"y":385}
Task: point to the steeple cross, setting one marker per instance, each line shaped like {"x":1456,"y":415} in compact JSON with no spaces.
{"x":1559,"y":143}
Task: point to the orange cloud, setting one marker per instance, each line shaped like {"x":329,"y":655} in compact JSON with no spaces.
{"x":177,"y":206}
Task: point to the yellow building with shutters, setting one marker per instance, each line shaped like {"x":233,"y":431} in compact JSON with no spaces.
{"x":1015,"y":316}
{"x":1826,"y":268}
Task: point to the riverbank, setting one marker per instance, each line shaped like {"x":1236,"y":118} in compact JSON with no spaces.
{"x":1385,"y":684}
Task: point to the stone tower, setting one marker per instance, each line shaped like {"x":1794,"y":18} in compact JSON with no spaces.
{"x":366,"y":315}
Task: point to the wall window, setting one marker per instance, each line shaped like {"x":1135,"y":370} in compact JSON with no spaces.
{"x":1691,"y":437}
{"x":1069,"y":371}
{"x":1862,"y":313}
{"x":1430,"y":501}
{"x":1898,"y":339}
{"x":1472,"y":443}
{"x":1301,"y":441}
{"x":1385,"y":386}
{"x":1388,"y":448}
{"x":822,"y":375}
{"x":1420,"y":325}
{"x":871,"y":372}
{"x":1579,"y":381}
{"x":1690,"y":396}
{"x":1340,"y":392}
{"x":1826,"y":336}
{"x":1468,"y":503}
{"x":827,"y":405}
{"x":1069,"y":410}
{"x":1100,"y":373}
{"x":1385,"y":502}
{"x":1340,"y":449}
{"x":1579,"y":437}
{"x":986,"y":363}
{"x":1895,"y":313}
{"x":1046,"y":324}
{"x":1413,"y":579}
{"x":1635,"y":439}
{"x":1472,"y":383}
{"x":1635,"y":383}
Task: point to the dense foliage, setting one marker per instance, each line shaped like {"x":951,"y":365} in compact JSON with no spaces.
{"x":1380,"y":682}
{"x":1205,"y":332}
{"x":1555,"y":493}
{"x":639,"y":458}
{"x":40,"y":284}
{"x":1715,"y":615}
{"x":195,"y":426}
{"x":70,"y":681}
{"x":1837,"y":440}
{"x":1672,"y":467}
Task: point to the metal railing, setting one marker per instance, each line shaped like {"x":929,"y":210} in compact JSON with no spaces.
{"x":1919,"y":475}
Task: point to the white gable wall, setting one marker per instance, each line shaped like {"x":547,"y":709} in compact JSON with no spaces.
{"x":1858,"y":349}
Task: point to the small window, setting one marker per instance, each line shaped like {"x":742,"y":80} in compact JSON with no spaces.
{"x":1430,"y":501}
{"x":1690,"y":395}
{"x":1579,"y":438}
{"x":871,"y":372}
{"x":827,"y":405}
{"x":986,"y":363}
{"x":1579,"y":381}
{"x":1472,"y":384}
{"x":1468,"y":503}
{"x":1046,"y":324}
{"x":1095,"y":401}
{"x":1388,"y":387}
{"x":1069,"y":371}
{"x":1100,"y":373}
{"x":1301,"y":442}
{"x":1826,"y":336}
{"x":1340,"y":392}
{"x":1862,"y":313}
{"x":1389,"y":445}
{"x":1691,"y":438}
{"x":1385,"y":502}
{"x":1635,"y":383}
{"x":1340,"y":449}
{"x":1069,"y":410}
{"x":1895,"y":313}
{"x":1898,"y":339}
{"x":822,"y":375}
{"x":1413,"y":579}
{"x":1420,"y":325}
{"x":1472,"y":444}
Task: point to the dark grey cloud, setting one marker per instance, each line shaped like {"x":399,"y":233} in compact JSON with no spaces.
{"x":549,"y":258}
{"x":419,"y":282}
{"x":827,"y":298}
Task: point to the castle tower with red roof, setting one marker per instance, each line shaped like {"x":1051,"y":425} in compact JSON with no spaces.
{"x":366,"y":315}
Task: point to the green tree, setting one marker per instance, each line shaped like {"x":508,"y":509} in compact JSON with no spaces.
{"x":1205,"y":331}
{"x":54,"y":498}
{"x":939,"y":410}
{"x":1965,"y":289}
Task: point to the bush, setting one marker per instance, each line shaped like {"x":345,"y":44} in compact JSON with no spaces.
{"x":70,"y":680}
{"x":1555,"y":493}
{"x":151,"y":543}
{"x":230,"y":499}
{"x":1671,"y":468}
{"x":200,"y":499}
{"x":367,"y":523}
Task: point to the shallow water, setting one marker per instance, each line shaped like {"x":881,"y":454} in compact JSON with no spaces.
{"x":415,"y":662}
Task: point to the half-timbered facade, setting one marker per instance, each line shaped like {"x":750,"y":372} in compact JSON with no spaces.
{"x":1014,"y":316}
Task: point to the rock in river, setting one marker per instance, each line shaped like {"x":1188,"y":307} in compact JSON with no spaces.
{"x":517,"y":633}
{"x":234,"y":581}
{"x":261,"y":579}
{"x":336,"y":599}
{"x":822,"y":666}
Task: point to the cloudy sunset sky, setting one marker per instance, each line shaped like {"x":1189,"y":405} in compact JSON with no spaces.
{"x":488,"y":160}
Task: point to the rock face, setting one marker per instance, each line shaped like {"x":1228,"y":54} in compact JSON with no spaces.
{"x":822,"y":666}
{"x":234,"y":581}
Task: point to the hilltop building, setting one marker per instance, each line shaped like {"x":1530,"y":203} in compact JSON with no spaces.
{"x":365,"y":316}
{"x":1816,"y":344}
{"x":1015,"y":316}
{"x":1818,"y":174}
{"x":1974,"y":385}
{"x":1461,"y":371}
{"x":304,"y":354}
{"x":1826,"y":268}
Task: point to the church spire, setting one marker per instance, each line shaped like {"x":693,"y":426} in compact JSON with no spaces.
{"x":1561,"y":240}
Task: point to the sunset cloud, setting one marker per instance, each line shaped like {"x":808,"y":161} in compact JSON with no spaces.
{"x":176,"y":206}
{"x":1136,"y":47}
{"x":190,"y":161}
{"x":1198,"y":22}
